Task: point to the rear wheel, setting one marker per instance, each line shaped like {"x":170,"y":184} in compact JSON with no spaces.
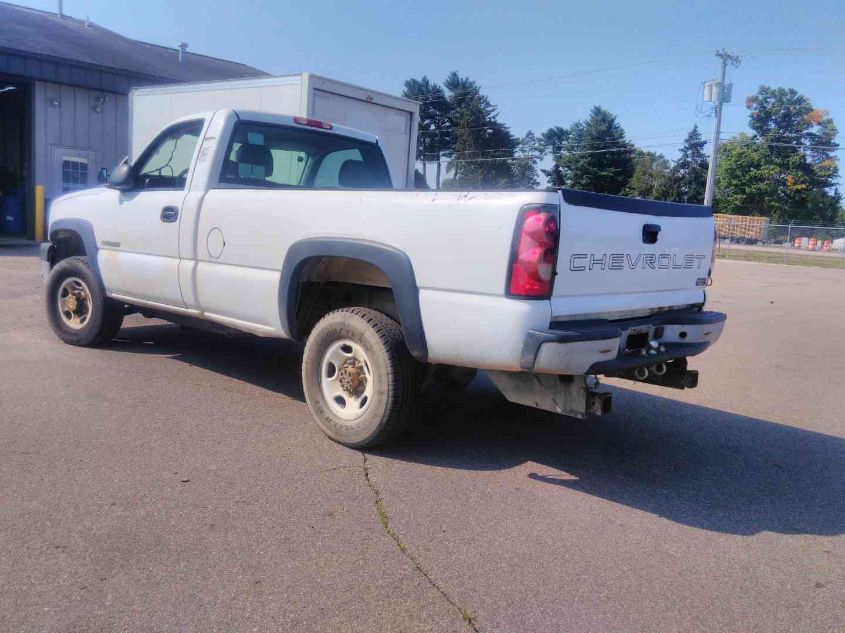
{"x":78,"y":310}
{"x":360,"y":381}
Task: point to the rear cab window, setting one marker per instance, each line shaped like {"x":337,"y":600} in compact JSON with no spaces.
{"x":272,"y":156}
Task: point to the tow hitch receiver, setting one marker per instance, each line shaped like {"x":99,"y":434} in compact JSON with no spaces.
{"x":574,"y":396}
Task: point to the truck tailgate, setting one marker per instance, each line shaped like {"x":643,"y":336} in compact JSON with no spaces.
{"x":623,"y":257}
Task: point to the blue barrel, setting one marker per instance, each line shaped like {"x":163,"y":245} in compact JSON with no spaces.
{"x":12,"y":221}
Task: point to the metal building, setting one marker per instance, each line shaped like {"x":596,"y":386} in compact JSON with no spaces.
{"x":64,"y":107}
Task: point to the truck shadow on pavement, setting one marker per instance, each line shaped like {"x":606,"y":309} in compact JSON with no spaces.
{"x":271,"y":364}
{"x":694,"y":465}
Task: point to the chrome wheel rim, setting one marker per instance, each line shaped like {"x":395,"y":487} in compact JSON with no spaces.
{"x":346,"y":379}
{"x":74,"y":300}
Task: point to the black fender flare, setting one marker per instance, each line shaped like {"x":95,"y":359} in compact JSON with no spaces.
{"x":392,"y":262}
{"x":85,"y":230}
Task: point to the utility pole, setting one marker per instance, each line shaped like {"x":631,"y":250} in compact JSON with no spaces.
{"x":718,"y":98}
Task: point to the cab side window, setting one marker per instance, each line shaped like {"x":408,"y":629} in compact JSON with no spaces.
{"x":167,"y":160}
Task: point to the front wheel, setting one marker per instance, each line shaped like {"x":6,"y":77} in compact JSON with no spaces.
{"x":78,"y":310}
{"x":360,"y":381}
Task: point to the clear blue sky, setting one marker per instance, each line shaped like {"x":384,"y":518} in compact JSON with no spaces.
{"x":379,"y":43}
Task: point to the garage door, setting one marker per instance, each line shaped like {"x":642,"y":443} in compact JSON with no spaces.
{"x":393,"y":127}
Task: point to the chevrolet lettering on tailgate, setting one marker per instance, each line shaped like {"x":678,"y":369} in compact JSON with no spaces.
{"x":641,"y":261}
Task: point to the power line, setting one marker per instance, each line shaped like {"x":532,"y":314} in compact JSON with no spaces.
{"x":588,"y":143}
{"x":597,"y":151}
{"x":463,"y":129}
{"x":626,"y":148}
{"x":422,"y":98}
{"x":619,"y":148}
{"x":574,"y":151}
{"x":754,"y":141}
{"x":768,"y":134}
{"x":792,"y":50}
{"x":438,"y":96}
{"x":508,"y":149}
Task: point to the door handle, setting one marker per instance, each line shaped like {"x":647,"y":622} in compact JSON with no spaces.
{"x":169,"y":214}
{"x":650,"y":233}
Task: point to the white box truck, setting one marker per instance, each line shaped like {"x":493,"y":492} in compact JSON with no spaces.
{"x":392,"y":119}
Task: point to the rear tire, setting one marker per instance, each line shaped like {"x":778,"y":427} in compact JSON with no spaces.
{"x":77,"y":308}
{"x":360,"y":381}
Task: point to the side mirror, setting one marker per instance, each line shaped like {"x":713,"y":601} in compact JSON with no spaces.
{"x":103,"y":175}
{"x":123,"y":176}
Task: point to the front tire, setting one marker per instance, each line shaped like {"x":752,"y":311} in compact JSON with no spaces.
{"x":77,"y":308}
{"x":360,"y":381}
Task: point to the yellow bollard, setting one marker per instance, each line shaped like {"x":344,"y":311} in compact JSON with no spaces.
{"x":39,"y":213}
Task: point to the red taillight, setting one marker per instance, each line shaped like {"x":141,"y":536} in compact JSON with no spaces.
{"x":301,"y":120}
{"x":534,"y":253}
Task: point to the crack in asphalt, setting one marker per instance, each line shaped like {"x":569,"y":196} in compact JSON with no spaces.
{"x":465,"y":614}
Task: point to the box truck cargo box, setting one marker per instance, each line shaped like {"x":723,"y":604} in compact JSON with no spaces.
{"x":393,"y":119}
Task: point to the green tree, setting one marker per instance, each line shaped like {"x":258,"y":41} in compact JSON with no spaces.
{"x":595,"y":155}
{"x":787,"y":169}
{"x":652,"y":177}
{"x":482,"y":146}
{"x":554,"y":139}
{"x":528,"y":152}
{"x":689,"y":173}
{"x":433,"y":136}
{"x":554,"y":176}
{"x":749,"y":182}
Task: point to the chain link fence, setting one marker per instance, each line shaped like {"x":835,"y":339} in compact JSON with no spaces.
{"x":756,"y":239}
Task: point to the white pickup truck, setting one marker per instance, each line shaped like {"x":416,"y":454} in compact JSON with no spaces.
{"x":288,"y":227}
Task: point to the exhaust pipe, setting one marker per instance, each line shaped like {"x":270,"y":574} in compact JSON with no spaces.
{"x":641,"y":372}
{"x":659,"y":369}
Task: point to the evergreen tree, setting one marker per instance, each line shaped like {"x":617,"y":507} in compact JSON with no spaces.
{"x":433,"y":136}
{"x":554,"y":176}
{"x":554,"y":140}
{"x":482,"y":146}
{"x":596,"y":156}
{"x":652,"y":178}
{"x":689,"y":172}
{"x":529,"y":150}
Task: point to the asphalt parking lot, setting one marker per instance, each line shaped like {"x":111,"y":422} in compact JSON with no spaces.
{"x":174,"y":481}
